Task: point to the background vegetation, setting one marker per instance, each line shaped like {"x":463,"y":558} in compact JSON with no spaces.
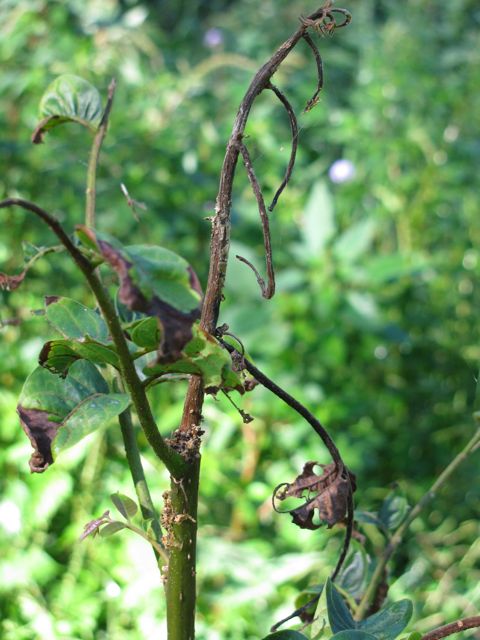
{"x":374,"y":325}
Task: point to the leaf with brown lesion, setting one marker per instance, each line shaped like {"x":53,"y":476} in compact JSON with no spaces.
{"x":56,"y":412}
{"x":328,"y":493}
{"x":156,"y":282}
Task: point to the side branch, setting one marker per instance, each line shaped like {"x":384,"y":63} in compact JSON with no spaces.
{"x":288,"y":399}
{"x":93,"y":160}
{"x":453,"y":627}
{"x":318,"y":60}
{"x":269,"y":289}
{"x":293,"y":153}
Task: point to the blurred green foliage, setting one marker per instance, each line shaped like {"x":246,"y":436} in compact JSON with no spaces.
{"x":373,"y":326}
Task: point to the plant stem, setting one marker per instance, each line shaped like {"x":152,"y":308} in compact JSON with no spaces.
{"x":453,"y":627}
{"x":93,"y":159}
{"x":138,"y":476}
{"x":397,"y":537}
{"x":180,"y":587}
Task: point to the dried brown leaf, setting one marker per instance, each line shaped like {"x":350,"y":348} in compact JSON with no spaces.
{"x":327,"y":493}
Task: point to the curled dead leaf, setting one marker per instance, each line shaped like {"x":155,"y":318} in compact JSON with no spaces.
{"x":327,"y":492}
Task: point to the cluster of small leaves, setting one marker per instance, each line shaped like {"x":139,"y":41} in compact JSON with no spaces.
{"x":105,"y":526}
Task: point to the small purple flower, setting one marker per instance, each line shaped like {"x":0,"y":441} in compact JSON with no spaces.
{"x":213,"y":38}
{"x":342,"y":171}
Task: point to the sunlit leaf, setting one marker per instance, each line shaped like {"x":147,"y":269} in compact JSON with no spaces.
{"x":57,"y":412}
{"x":203,"y":356}
{"x":74,"y":320}
{"x":145,"y":333}
{"x":59,"y":355}
{"x":68,"y":98}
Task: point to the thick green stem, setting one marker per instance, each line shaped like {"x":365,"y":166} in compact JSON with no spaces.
{"x":180,"y":522}
{"x":93,"y":160}
{"x":397,"y":537}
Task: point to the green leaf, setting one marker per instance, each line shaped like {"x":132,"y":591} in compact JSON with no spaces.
{"x":394,"y":510}
{"x":58,"y":412}
{"x":111,"y":528}
{"x":73,"y":320}
{"x":318,"y":219}
{"x":390,"y":621}
{"x":145,"y":333}
{"x":339,"y":614}
{"x":69,"y":98}
{"x":125,"y":505}
{"x":203,"y":356}
{"x":353,"y":634}
{"x":146,"y":270}
{"x":88,"y":416}
{"x":156,"y":282}
{"x":320,"y":625}
{"x":352,"y":577}
{"x":285,"y":635}
{"x":59,"y":355}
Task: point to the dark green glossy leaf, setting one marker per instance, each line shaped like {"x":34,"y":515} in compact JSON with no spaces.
{"x":352,"y":578}
{"x":125,"y":505}
{"x":73,"y":320}
{"x":111,"y":528}
{"x":339,"y":614}
{"x":69,"y":98}
{"x":389,"y":622}
{"x":203,"y":356}
{"x":58,"y":412}
{"x":59,"y":355}
{"x":394,"y":510}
